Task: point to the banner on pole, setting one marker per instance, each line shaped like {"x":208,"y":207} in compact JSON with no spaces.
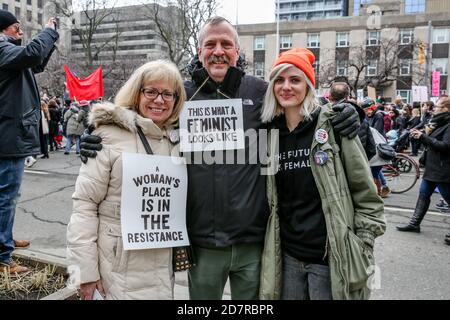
{"x":90,"y":88}
{"x":436,"y":84}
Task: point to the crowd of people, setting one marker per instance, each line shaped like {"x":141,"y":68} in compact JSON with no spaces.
{"x":303,"y":232}
{"x":61,"y":126}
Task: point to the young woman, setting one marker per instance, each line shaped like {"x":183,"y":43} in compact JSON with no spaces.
{"x":152,"y":99}
{"x":328,"y":209}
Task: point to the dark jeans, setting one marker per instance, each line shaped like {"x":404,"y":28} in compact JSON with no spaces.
{"x":241,"y":263}
{"x":69,"y":141}
{"x":305,"y":281}
{"x":11,"y":172}
{"x":427,"y":188}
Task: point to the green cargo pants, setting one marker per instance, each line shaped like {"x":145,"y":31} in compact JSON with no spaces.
{"x":241,"y":263}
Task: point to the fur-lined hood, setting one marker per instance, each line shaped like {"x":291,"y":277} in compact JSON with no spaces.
{"x":110,"y":114}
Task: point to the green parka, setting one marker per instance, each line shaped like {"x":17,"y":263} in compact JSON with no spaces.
{"x":354,"y":216}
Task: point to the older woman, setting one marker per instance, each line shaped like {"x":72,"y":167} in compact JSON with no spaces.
{"x":151,"y":99}
{"x":328,"y":208}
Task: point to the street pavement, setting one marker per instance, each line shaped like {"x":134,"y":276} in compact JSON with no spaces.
{"x":410,"y":265}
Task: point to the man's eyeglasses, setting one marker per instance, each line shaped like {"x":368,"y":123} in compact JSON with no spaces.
{"x":152,"y":94}
{"x":17,"y":27}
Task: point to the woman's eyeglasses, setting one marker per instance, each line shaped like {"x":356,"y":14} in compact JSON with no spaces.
{"x":152,"y":94}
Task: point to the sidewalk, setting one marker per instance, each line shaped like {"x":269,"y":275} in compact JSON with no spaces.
{"x":181,"y":291}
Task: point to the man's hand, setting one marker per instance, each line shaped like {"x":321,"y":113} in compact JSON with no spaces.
{"x":51,"y":23}
{"x":87,"y":290}
{"x":89,"y":145}
{"x":415,"y":134}
{"x":346,"y":122}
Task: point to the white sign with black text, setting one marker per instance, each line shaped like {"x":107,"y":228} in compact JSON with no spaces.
{"x":208,"y":125}
{"x":153,"y":208}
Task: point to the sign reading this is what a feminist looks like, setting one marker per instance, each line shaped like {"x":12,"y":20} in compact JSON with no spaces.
{"x":208,"y":125}
{"x":153,"y":209}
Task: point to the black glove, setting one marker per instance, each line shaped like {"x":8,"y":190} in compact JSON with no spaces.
{"x":346,"y":123}
{"x":89,"y":145}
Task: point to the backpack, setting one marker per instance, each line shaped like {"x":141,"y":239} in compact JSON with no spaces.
{"x":64,"y":123}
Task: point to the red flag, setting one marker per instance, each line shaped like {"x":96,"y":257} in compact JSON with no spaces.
{"x":90,"y":88}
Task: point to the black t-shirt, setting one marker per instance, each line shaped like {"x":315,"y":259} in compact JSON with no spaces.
{"x":302,"y":221}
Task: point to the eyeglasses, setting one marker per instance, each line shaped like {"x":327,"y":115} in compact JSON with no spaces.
{"x":17,"y":27}
{"x":152,"y":94}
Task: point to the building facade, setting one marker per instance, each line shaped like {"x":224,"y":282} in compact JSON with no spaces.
{"x":383,"y":52}
{"x":359,"y":7}
{"x":30,"y":13}
{"x":125,"y":34}
{"x":311,"y":9}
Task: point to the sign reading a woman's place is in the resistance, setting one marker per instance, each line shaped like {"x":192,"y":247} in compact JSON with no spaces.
{"x":153,"y":209}
{"x":208,"y":125}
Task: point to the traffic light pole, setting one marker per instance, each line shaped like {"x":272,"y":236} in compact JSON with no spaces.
{"x":428,"y":58}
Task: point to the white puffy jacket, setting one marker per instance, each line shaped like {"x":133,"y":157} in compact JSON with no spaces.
{"x":94,"y":240}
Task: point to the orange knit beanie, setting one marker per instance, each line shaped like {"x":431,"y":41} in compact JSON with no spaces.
{"x":302,"y":59}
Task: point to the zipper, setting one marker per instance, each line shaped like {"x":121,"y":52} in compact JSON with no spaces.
{"x":326,"y":249}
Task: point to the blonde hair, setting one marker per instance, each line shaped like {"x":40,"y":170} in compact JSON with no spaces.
{"x":444,"y":102}
{"x":271,"y":107}
{"x":159,"y":70}
{"x":415,"y":112}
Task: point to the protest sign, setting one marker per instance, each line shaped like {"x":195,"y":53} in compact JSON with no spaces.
{"x":153,"y":205}
{"x":212,"y":125}
{"x":372,"y":93}
{"x":419,"y":93}
{"x":360,"y":93}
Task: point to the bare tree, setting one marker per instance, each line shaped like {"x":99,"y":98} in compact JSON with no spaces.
{"x":51,"y":81}
{"x":177,"y":24}
{"x":85,"y":22}
{"x":387,"y":58}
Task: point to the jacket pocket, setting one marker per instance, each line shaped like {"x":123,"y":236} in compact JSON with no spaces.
{"x":30,"y":127}
{"x":120,"y":256}
{"x":360,"y":259}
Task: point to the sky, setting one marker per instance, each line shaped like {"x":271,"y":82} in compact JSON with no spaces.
{"x":249,"y":11}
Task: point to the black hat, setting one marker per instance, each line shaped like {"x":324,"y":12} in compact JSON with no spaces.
{"x":6,"y":19}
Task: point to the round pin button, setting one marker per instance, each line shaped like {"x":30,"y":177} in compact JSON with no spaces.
{"x":174,"y":136}
{"x":320,"y":158}
{"x":321,"y":136}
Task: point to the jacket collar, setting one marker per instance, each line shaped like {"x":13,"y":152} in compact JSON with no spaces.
{"x":326,"y":113}
{"x":5,"y":38}
{"x":110,"y":114}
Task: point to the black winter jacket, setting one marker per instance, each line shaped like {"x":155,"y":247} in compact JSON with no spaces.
{"x":19,"y":94}
{"x":227,"y":203}
{"x":377,"y":121}
{"x":437,"y":162}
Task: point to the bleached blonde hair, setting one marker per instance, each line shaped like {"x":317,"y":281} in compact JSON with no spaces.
{"x":271,"y":107}
{"x":159,"y":70}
